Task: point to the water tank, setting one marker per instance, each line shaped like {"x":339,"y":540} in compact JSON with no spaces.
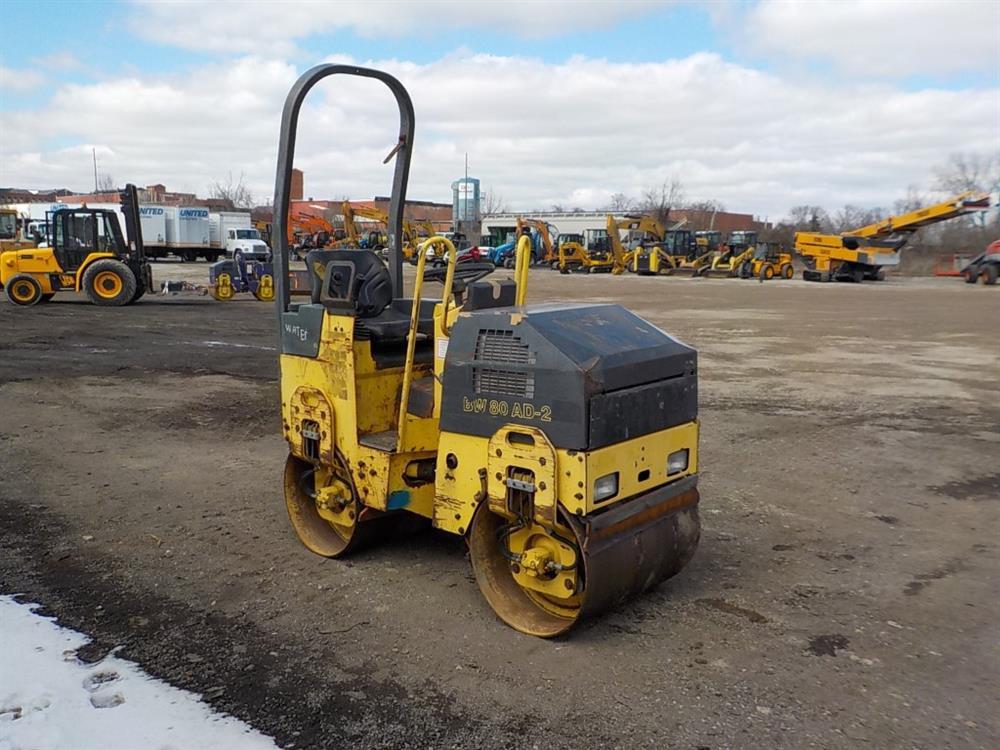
{"x":465,"y":200}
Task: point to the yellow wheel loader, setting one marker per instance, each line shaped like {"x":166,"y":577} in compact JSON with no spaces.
{"x":767,"y":262}
{"x":560,"y":440}
{"x":88,"y":254}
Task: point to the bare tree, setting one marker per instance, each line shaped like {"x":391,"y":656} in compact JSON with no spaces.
{"x":620,"y":203}
{"x":974,"y":171}
{"x":853,"y":217}
{"x":809,"y":219}
{"x":557,"y":208}
{"x":969,"y":172}
{"x":701,"y":214}
{"x":235,"y":191}
{"x":914,"y":200}
{"x":106,"y":184}
{"x":658,"y":201}
{"x":491,"y":202}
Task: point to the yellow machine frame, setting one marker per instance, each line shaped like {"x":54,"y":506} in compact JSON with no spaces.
{"x":365,"y":438}
{"x":864,"y":252}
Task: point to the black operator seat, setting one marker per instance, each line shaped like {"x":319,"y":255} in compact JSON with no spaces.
{"x":357,"y":282}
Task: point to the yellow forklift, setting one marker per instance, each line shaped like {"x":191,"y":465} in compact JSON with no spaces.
{"x":561,"y":441}
{"x":89,"y":253}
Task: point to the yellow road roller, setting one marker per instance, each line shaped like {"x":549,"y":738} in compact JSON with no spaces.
{"x":561,"y":440}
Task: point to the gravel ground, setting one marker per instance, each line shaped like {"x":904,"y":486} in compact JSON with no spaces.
{"x":844,"y":595}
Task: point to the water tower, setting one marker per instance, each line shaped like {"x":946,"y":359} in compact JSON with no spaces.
{"x":465,"y":214}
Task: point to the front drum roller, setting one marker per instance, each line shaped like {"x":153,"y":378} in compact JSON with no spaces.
{"x":265,"y":288}
{"x":328,"y":528}
{"x":624,"y":551}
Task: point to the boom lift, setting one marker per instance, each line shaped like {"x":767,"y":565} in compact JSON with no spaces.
{"x":88,"y":254}
{"x":866,"y":252}
{"x":560,"y":440}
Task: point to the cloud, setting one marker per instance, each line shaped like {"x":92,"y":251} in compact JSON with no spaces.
{"x":537,"y":133}
{"x":58,"y":61}
{"x":876,"y":37}
{"x":254,"y":27}
{"x":21,"y":80}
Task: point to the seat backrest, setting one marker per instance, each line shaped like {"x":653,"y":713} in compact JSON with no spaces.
{"x":358,"y":277}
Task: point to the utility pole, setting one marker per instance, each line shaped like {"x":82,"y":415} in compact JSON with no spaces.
{"x":95,"y":169}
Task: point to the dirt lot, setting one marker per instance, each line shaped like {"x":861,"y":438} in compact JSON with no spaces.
{"x":845,"y":593}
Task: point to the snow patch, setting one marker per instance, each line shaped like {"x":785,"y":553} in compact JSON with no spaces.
{"x":49,"y":700}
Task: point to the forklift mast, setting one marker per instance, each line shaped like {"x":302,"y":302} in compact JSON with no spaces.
{"x":129,"y":201}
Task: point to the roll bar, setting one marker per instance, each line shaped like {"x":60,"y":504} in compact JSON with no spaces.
{"x":283,"y":179}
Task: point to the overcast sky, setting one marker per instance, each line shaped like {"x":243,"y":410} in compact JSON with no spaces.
{"x":760,"y":105}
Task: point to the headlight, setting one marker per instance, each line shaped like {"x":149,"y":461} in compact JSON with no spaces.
{"x":605,"y":487}
{"x":677,"y":461}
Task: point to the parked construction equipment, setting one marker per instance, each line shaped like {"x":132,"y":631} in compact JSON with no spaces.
{"x":603,"y":252}
{"x":729,"y":259}
{"x":88,"y":253}
{"x":985,"y":266}
{"x":768,"y":261}
{"x":14,"y":231}
{"x":866,"y":252}
{"x":645,"y":236}
{"x":227,"y":278}
{"x":560,"y":440}
{"x":542,"y":248}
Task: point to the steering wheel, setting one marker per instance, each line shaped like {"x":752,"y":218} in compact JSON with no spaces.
{"x":465,"y":274}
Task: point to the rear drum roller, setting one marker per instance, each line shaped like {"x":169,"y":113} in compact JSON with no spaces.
{"x":222,"y":289}
{"x":330,"y":529}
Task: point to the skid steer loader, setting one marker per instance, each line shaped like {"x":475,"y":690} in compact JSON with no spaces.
{"x":560,"y":440}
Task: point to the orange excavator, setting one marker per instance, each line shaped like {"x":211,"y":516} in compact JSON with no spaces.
{"x":308,"y":232}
